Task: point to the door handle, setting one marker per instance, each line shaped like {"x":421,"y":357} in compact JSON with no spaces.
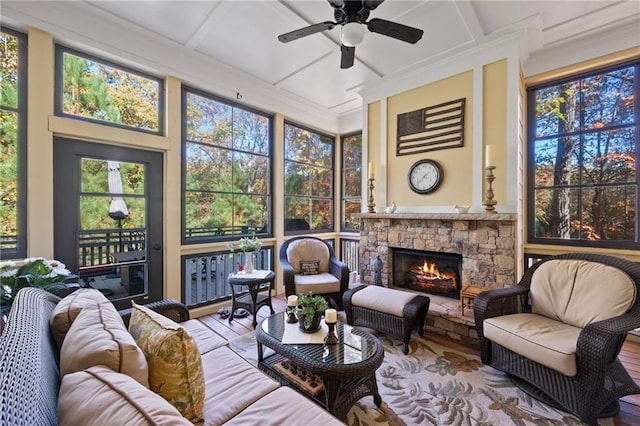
{"x":157,"y":246}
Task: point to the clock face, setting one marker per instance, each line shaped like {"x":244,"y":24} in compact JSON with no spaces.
{"x":425,"y":176}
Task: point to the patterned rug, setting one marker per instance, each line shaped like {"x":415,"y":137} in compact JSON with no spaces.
{"x":436,"y":385}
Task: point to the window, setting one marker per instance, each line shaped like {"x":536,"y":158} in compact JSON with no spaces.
{"x":91,"y":89}
{"x":583,"y":145}
{"x":308,"y":180}
{"x":13,"y":144}
{"x":351,"y":181}
{"x":227,"y":169}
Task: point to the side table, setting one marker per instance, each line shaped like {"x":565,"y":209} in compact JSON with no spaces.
{"x":468,"y":295}
{"x":257,"y":296}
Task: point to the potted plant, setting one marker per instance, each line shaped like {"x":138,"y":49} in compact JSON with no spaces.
{"x":31,"y":272}
{"x":248,"y":245}
{"x":309,"y":311}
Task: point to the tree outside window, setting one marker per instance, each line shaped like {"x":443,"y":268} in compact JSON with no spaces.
{"x":308,"y":180}
{"x":227,"y":169}
{"x":94,"y":90}
{"x":583,"y":145}
{"x":13,"y":129}
{"x":351,"y":181}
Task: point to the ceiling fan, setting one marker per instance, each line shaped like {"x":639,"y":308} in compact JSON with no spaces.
{"x":353,"y":15}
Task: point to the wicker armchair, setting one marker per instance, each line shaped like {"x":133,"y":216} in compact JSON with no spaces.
{"x":579,"y":308}
{"x":330,"y":278}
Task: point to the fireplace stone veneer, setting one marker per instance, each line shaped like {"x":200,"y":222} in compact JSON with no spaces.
{"x":486,"y":242}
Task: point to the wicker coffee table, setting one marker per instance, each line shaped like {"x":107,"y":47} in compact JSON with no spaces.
{"x":347,"y":369}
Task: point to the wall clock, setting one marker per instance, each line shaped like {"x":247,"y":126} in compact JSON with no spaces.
{"x":425,"y":176}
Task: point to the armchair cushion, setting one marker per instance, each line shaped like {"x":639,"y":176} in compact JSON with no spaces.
{"x":570,"y":291}
{"x":317,"y":284}
{"x":541,"y":339}
{"x":308,"y":249}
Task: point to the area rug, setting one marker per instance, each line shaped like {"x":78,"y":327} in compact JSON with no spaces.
{"x":436,"y":385}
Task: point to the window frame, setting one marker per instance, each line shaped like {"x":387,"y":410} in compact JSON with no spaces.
{"x":332,"y":197}
{"x":530,"y":165}
{"x":21,"y":146}
{"x":344,"y":198}
{"x":185,"y":90}
{"x":60,"y":50}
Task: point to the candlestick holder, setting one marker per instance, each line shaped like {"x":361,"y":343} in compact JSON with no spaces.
{"x":331,"y":338}
{"x":371,"y":204}
{"x":489,"y":202}
{"x":291,"y":315}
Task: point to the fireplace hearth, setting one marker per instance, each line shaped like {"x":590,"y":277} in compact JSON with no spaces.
{"x":427,"y":272}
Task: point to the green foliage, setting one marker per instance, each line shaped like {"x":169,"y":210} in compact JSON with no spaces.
{"x":228,"y":176}
{"x":102,"y":92}
{"x":9,"y":62}
{"x":308,"y":305}
{"x":32,"y":272}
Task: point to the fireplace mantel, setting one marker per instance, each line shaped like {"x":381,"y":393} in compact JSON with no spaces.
{"x":440,"y":216}
{"x":485,"y":241}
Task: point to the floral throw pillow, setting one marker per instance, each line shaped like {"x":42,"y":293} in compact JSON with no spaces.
{"x":309,"y":267}
{"x":175,"y":365}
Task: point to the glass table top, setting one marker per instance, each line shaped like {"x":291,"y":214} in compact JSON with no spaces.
{"x":354,"y":345}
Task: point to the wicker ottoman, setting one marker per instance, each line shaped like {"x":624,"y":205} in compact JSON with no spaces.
{"x":384,"y":309}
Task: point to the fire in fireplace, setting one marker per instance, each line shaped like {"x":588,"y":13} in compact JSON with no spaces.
{"x":428,"y":272}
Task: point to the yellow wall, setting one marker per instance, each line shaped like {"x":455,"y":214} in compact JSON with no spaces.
{"x":494,"y":122}
{"x":459,"y":164}
{"x":455,"y":188}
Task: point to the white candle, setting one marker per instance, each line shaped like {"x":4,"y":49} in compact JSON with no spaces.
{"x":330,"y":315}
{"x":488,"y":156}
{"x":372,"y":171}
{"x":292,"y":300}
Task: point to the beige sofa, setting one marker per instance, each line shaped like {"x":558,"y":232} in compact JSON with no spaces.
{"x":35,"y":391}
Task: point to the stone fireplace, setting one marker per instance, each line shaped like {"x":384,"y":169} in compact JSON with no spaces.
{"x":485,"y":245}
{"x":485,"y":242}
{"x":426,"y":271}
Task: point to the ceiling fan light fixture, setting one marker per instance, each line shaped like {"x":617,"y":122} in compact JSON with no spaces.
{"x":352,"y":34}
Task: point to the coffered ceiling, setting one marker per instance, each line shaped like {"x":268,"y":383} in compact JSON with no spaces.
{"x":237,"y":40}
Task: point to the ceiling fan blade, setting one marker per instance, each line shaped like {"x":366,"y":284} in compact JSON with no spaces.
{"x":371,"y":4}
{"x":303,"y":32}
{"x":348,"y":56}
{"x":395,"y":30}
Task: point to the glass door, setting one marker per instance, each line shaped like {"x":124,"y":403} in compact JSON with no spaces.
{"x":108,"y":215}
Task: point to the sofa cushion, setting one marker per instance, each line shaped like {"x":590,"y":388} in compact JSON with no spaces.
{"x":305,"y":250}
{"x":99,"y":396}
{"x":571,"y":291}
{"x":206,"y":339}
{"x":98,"y":336}
{"x":285,"y":407}
{"x":175,"y":365}
{"x":232,"y":385}
{"x":68,"y":309}
{"x":382,"y":299}
{"x":541,"y":339}
{"x":317,"y":284}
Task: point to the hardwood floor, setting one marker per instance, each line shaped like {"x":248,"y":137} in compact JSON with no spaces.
{"x":630,"y":354}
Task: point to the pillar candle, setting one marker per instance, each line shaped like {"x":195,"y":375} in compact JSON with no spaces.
{"x":488,"y":156}
{"x":292,"y":300}
{"x":330,"y":315}
{"x":372,"y":171}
